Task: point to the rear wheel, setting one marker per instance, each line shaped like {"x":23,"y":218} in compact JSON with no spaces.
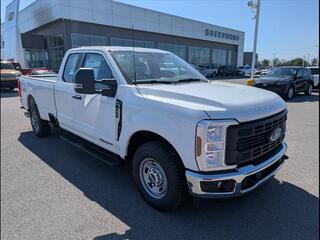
{"x":40,"y":127}
{"x":159,"y":175}
{"x":309,"y":90}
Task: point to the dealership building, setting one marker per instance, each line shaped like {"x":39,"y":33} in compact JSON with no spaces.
{"x":40,"y":34}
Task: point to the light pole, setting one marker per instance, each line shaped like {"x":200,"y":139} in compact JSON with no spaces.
{"x":255,"y":8}
{"x":273,"y":57}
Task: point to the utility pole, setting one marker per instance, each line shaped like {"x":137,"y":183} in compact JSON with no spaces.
{"x":273,"y":57}
{"x":255,"y":8}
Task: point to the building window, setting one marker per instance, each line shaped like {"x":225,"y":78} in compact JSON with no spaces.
{"x":129,"y":43}
{"x":78,"y":40}
{"x":121,"y":42}
{"x":55,"y":51}
{"x":144,"y":44}
{"x":219,"y":57}
{"x":199,"y":55}
{"x":177,"y":49}
{"x":35,"y":58}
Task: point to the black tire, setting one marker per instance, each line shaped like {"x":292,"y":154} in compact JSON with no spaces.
{"x":308,"y":92}
{"x":40,"y":127}
{"x":289,"y":95}
{"x":176,"y":191}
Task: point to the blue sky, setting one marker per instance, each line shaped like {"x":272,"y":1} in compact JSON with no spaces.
{"x":288,"y":28}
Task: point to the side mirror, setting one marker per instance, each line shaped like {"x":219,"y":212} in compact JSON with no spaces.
{"x":84,"y":81}
{"x":109,"y":88}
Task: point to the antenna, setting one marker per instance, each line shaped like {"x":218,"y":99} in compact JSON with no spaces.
{"x":134,"y":57}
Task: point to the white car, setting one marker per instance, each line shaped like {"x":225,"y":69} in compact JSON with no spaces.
{"x":182,"y":133}
{"x":244,"y":70}
{"x":315,"y":74}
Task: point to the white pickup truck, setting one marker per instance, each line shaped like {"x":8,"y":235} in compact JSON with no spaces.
{"x":182,"y":133}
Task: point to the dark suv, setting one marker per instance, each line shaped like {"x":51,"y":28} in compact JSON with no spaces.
{"x":227,"y":70}
{"x":286,"y":81}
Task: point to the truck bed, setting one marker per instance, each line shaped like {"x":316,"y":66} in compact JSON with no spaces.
{"x":41,"y":88}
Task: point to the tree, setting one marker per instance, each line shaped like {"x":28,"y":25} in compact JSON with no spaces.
{"x":314,"y":61}
{"x":276,"y":62}
{"x":265,"y":62}
{"x":296,"y":62}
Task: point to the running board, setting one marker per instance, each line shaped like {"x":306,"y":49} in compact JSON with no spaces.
{"x":103,"y":155}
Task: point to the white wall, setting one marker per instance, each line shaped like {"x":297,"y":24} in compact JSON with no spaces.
{"x":11,"y":35}
{"x":118,"y":14}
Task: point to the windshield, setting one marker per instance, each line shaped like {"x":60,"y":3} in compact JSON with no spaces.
{"x":282,"y":72}
{"x":154,"y":67}
{"x":6,"y":66}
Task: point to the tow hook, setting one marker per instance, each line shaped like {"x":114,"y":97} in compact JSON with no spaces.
{"x":285,"y":157}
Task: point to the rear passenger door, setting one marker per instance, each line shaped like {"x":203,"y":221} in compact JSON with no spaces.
{"x":299,"y":81}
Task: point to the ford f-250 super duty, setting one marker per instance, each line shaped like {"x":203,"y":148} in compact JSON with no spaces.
{"x":182,"y":133}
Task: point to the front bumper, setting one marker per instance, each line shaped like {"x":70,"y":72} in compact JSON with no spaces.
{"x":245,"y":179}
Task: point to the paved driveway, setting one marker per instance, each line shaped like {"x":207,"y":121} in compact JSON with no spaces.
{"x":51,"y":190}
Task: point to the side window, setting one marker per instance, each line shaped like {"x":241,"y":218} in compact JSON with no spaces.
{"x":70,"y":68}
{"x":300,"y":73}
{"x":306,"y":72}
{"x":99,"y":65}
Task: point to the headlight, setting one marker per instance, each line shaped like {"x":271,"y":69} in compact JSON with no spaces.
{"x":210,"y":144}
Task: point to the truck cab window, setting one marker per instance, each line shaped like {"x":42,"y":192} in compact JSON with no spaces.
{"x":100,"y":68}
{"x":70,"y":68}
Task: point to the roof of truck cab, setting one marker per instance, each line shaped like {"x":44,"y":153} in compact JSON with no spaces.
{"x":116,"y":48}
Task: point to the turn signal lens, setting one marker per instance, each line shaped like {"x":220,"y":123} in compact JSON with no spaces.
{"x":198,"y":146}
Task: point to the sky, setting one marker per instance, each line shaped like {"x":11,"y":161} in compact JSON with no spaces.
{"x":287,"y":28}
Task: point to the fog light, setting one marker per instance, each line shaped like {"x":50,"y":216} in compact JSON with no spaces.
{"x":214,"y":159}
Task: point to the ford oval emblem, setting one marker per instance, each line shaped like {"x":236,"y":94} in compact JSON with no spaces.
{"x":275,"y":134}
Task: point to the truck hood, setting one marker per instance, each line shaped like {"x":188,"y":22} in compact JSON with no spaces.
{"x":218,"y":100}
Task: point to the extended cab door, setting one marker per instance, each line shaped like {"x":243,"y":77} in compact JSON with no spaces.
{"x":65,"y":96}
{"x":95,"y":114}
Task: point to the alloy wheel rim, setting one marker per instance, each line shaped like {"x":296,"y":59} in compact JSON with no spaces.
{"x":153,"y":178}
{"x":310,"y":89}
{"x":34,"y":120}
{"x":290,"y":94}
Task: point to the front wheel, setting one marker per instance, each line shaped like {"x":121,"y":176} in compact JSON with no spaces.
{"x":308,"y":92}
{"x":290,"y":93}
{"x":159,"y":175}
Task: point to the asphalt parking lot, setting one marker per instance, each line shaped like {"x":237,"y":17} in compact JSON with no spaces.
{"x":52,"y":190}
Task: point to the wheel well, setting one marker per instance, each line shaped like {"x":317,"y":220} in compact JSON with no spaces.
{"x":30,"y":100}
{"x":142,"y":137}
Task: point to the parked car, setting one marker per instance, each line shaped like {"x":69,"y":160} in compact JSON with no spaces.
{"x":244,"y":70}
{"x":16,"y":66}
{"x":315,"y":74}
{"x":41,"y":71}
{"x":208,"y":70}
{"x":9,"y":75}
{"x":260,"y":73}
{"x":287,"y":81}
{"x":180,"y":132}
{"x":227,"y":70}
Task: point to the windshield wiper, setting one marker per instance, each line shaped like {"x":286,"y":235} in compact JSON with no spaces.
{"x":191,"y":80}
{"x":154,"y":81}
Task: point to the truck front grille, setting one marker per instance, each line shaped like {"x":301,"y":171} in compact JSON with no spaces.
{"x":249,"y":141}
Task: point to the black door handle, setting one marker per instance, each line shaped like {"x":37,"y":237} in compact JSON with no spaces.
{"x":77,"y":97}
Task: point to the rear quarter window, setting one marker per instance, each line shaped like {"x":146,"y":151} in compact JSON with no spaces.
{"x":71,"y":67}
